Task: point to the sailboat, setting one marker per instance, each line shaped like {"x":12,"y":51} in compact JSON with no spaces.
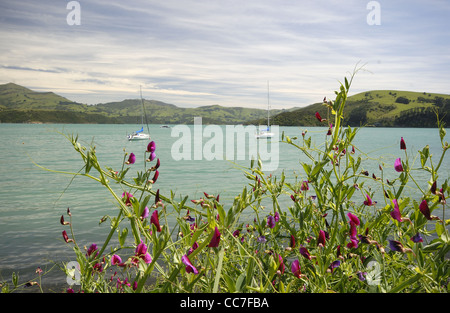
{"x":266,"y":133}
{"x":139,"y":134}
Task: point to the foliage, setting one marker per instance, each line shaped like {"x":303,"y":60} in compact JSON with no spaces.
{"x":376,"y":108}
{"x":345,"y":230}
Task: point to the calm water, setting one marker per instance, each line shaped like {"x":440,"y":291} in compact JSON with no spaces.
{"x":33,"y":199}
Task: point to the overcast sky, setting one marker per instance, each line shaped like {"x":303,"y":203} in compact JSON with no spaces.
{"x":193,"y":53}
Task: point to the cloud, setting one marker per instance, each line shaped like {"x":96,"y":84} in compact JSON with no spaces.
{"x":193,"y":53}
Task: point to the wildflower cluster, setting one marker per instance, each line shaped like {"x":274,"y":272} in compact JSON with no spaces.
{"x":319,"y":232}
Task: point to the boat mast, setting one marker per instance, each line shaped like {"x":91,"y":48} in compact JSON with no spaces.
{"x":268,"y":106}
{"x":143,"y":111}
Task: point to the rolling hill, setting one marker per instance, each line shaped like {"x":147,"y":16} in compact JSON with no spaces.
{"x":22,"y":105}
{"x":383,"y":108}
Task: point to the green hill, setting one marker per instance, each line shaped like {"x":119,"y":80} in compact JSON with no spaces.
{"x":22,"y":105}
{"x":383,"y":108}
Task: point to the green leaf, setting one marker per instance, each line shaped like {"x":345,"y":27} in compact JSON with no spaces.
{"x":240,"y":282}
{"x":123,"y":236}
{"x":406,"y":283}
{"x":439,"y":229}
{"x":218,"y":271}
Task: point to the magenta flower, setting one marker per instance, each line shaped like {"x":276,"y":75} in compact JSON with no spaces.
{"x":151,"y":147}
{"x":295,"y":268}
{"x":330,"y":130}
{"x":66,"y":238}
{"x":194,"y":247}
{"x":369,"y":201}
{"x":402,"y":144}
{"x":304,"y":185}
{"x":155,"y":220}
{"x":151,"y":157}
{"x":141,"y":252}
{"x":155,"y":177}
{"x":270,"y":221}
{"x":398,"y":165}
{"x":115,"y":259}
{"x":321,"y":239}
{"x":91,"y":249}
{"x":282,"y":267}
{"x":423,"y":207}
{"x":189,"y":267}
{"x":319,"y":118}
{"x":396,"y":215}
{"x":303,"y":251}
{"x":353,"y":232}
{"x":353,"y":243}
{"x":215,"y":239}
{"x":276,"y":217}
{"x":292,"y":242}
{"x":353,"y":218}
{"x":126,"y":197}
{"x":144,"y":213}
{"x":62,"y":221}
{"x":131,"y":159}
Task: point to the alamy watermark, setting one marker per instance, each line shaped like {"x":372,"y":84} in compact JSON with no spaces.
{"x":237,"y":142}
{"x":73,"y":273}
{"x":74,"y":16}
{"x":374,"y":16}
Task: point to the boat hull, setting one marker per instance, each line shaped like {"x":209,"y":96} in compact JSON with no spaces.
{"x":134,"y":137}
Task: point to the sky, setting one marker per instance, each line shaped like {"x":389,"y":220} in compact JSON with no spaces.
{"x":206,"y":52}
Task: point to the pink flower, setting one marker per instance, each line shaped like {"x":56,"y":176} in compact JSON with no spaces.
{"x":369,"y":201}
{"x":126,"y":197}
{"x":321,"y":239}
{"x":303,"y":251}
{"x":66,"y":238}
{"x":151,"y":147}
{"x":155,"y":177}
{"x":131,"y":159}
{"x":155,"y":220}
{"x":141,"y":252}
{"x":92,"y":249}
{"x":304,"y":185}
{"x":295,"y":268}
{"x":396,"y":215}
{"x":398,"y":165}
{"x":402,"y":144}
{"x":425,"y":210}
{"x":215,"y":239}
{"x":353,"y":218}
{"x":115,"y":259}
{"x":270,"y":221}
{"x":189,"y":267}
{"x":319,"y":118}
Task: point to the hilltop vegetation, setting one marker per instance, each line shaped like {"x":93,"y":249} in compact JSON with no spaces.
{"x":384,"y":108}
{"x":22,"y":105}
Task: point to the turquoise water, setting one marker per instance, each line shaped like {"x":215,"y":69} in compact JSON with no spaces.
{"x":33,"y":200}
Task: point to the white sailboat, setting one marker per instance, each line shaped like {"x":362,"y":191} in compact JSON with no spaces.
{"x":265,"y":133}
{"x":139,"y":134}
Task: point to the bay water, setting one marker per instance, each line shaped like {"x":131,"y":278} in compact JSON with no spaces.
{"x":33,"y":199}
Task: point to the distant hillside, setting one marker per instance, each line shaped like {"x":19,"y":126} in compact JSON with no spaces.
{"x":383,"y":108}
{"x":22,"y":105}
